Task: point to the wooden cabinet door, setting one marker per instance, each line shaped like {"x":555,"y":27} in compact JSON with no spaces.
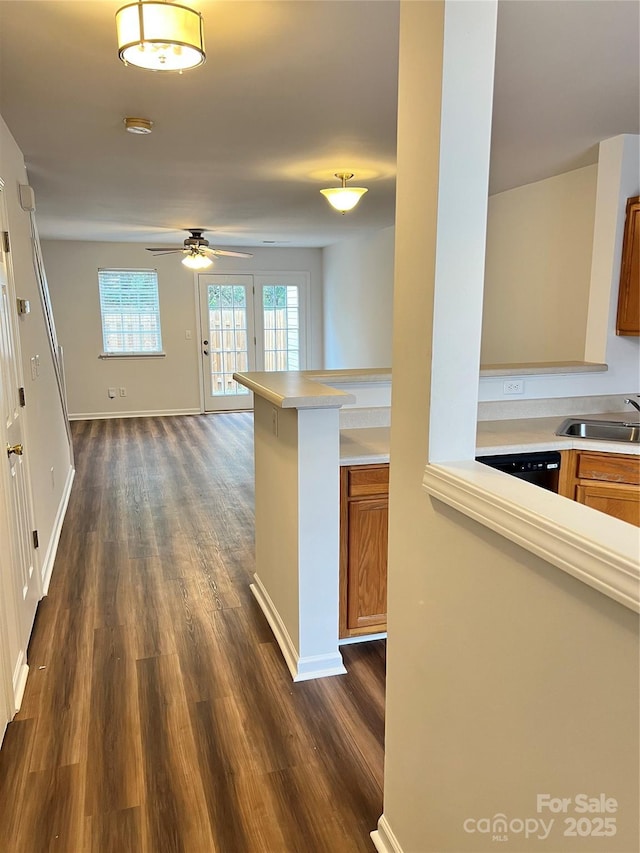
{"x":367,"y":565}
{"x":628,"y":321}
{"x":621,"y":501}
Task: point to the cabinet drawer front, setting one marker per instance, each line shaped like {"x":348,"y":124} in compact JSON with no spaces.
{"x":609,"y":467}
{"x":368,"y":480}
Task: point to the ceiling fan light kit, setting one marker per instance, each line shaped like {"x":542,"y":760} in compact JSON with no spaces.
{"x":160,"y":36}
{"x":196,"y":250}
{"x":344,"y":198}
{"x":196,"y":261}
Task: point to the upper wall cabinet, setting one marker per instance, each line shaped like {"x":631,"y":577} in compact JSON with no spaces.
{"x":628,"y":322}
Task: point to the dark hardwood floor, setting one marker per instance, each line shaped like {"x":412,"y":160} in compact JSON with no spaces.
{"x":159,"y":715}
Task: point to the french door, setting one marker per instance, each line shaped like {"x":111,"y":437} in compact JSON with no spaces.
{"x":249,"y":322}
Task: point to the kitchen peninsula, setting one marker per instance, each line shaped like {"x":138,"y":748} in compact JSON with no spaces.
{"x":322,"y":442}
{"x":297,"y":421}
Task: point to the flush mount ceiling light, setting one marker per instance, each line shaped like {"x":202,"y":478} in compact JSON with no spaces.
{"x":344,"y":198}
{"x":196,"y":259}
{"x":141,"y":126}
{"x":160,"y":36}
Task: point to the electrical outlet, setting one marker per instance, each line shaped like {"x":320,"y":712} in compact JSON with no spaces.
{"x":187,"y":335}
{"x":111,"y":392}
{"x":514,"y":386}
{"x":123,"y":391}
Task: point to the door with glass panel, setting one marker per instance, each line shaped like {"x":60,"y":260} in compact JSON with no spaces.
{"x":249,"y":323}
{"x":227,"y":339}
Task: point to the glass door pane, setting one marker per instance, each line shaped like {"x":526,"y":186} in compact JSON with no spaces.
{"x":281,"y":318}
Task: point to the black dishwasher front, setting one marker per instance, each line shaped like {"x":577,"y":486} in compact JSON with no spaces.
{"x":541,"y":469}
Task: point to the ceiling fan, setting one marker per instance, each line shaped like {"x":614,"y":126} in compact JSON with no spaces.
{"x":196,"y":251}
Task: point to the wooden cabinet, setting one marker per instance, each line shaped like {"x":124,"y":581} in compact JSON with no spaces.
{"x":364,"y":520}
{"x":609,"y":482}
{"x":628,"y":321}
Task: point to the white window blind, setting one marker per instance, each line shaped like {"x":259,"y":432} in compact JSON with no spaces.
{"x":130,"y":311}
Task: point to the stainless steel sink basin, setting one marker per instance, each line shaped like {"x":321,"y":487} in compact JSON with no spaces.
{"x":600,"y":430}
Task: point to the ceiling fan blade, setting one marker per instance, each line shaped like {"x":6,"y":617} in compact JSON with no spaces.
{"x":164,"y":250}
{"x":230,"y":254}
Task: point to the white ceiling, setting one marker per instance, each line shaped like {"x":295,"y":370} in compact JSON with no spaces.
{"x":292,"y":91}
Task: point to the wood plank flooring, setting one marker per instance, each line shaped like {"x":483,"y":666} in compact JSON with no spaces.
{"x":159,"y":716}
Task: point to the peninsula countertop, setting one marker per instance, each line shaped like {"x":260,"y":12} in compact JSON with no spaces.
{"x":309,"y":389}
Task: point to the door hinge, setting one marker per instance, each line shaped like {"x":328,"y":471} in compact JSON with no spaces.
{"x":23,"y":401}
{"x":5,"y":242}
{"x":36,"y":541}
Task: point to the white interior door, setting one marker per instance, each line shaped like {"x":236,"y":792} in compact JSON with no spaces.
{"x":20,"y":581}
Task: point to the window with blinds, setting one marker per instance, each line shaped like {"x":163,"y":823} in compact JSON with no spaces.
{"x":130,"y":312}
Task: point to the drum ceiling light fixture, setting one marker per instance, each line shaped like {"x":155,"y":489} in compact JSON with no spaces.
{"x":344,"y":198}
{"x":160,"y":36}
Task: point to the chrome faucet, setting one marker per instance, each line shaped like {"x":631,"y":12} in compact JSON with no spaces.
{"x":633,"y":403}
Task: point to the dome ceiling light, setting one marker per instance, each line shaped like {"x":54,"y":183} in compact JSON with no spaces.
{"x":139,"y":126}
{"x":344,"y":198}
{"x":160,"y":36}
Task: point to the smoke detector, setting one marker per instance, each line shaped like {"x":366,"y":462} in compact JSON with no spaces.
{"x":141,"y":126}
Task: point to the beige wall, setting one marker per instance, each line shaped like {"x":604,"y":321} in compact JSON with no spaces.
{"x":163,"y":385}
{"x":358,"y":301}
{"x":506,"y":677}
{"x":538,"y":266}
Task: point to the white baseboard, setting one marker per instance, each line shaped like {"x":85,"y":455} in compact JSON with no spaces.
{"x":151,"y":413}
{"x":320,"y":666}
{"x":52,"y":548}
{"x":19,"y":683}
{"x":383,"y":838}
{"x":301,"y":668}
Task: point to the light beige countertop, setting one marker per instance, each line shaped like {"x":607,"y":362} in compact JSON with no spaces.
{"x":350,"y":375}
{"x":532,"y":434}
{"x":309,"y":389}
{"x":541,"y":368}
{"x":293,"y":389}
{"x":368,"y":446}
{"x":364,"y":446}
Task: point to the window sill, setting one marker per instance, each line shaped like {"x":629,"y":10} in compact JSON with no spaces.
{"x":132,"y":355}
{"x":595,"y":548}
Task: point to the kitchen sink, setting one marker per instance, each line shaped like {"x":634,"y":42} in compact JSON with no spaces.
{"x":601,"y":430}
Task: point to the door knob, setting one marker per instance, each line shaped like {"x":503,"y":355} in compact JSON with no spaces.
{"x":15,"y":448}
{"x":205,"y":351}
